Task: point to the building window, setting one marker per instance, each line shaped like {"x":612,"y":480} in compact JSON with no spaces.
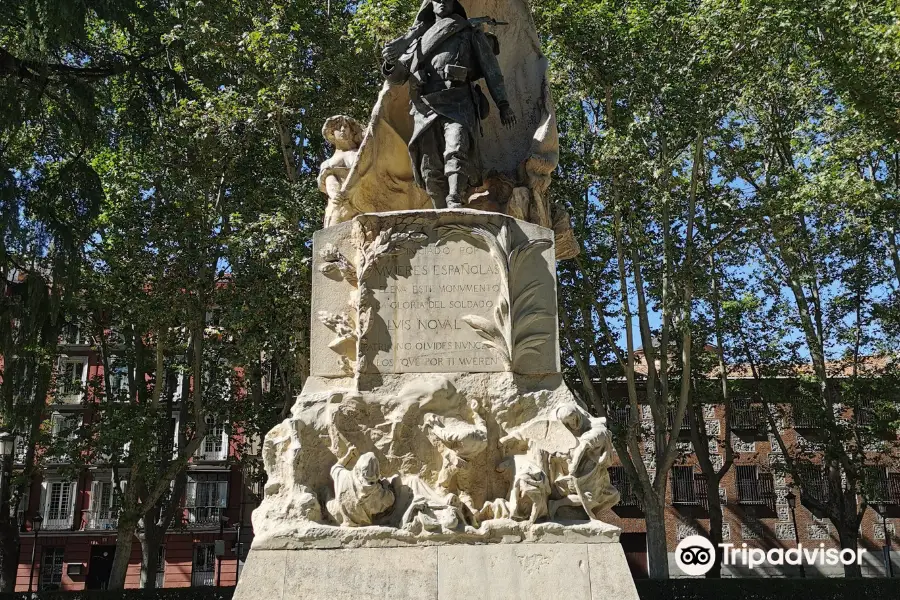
{"x":215,"y":444}
{"x":627,"y":494}
{"x":104,"y":512}
{"x":206,"y":497}
{"x":753,"y":487}
{"x":204,"y":572}
{"x":22,"y":512}
{"x":684,"y":487}
{"x":72,"y":335}
{"x":746,"y":415}
{"x":685,"y":425}
{"x":71,"y":379}
{"x":59,"y":498}
{"x":63,"y":428}
{"x":882,"y":486}
{"x":813,"y":481}
{"x":51,"y":569}
{"x":118,"y":382}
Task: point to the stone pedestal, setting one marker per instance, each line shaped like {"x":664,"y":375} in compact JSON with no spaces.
{"x":496,"y":572}
{"x":435,"y":451}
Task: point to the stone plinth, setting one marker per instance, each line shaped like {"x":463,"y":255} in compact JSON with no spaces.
{"x":435,"y":451}
{"x":498,"y":572}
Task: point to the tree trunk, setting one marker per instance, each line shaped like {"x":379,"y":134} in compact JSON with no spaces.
{"x":849,"y":538}
{"x":150,"y":545}
{"x":9,"y":554}
{"x":657,"y":548}
{"x":124,"y":538}
{"x":715,"y":529}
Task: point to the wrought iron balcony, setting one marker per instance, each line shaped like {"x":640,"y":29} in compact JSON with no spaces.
{"x":202,"y":516}
{"x":628,"y":496}
{"x":756,"y":489}
{"x":106,"y":520}
{"x":748,"y":417}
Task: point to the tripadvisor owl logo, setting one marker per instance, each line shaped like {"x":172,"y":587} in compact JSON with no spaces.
{"x":695,"y":555}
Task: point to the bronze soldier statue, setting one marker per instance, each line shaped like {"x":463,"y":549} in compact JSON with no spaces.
{"x":442,"y":56}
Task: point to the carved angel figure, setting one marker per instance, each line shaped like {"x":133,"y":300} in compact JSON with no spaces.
{"x":345,"y":133}
{"x":587,"y":483}
{"x":359,"y":494}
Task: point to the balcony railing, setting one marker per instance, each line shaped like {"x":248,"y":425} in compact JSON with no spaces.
{"x":102,"y":519}
{"x":57,"y":522}
{"x":807,"y":417}
{"x":620,"y":416}
{"x":814,"y":483}
{"x":628,"y":497}
{"x":886,"y":488}
{"x":690,"y":491}
{"x":203,"y":578}
{"x":211,"y":454}
{"x":758,"y":491}
{"x":748,"y":417}
{"x":685,"y":426}
{"x":204,"y":515}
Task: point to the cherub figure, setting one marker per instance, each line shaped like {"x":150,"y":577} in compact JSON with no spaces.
{"x":587,"y":482}
{"x":345,"y":133}
{"x":359,"y":494}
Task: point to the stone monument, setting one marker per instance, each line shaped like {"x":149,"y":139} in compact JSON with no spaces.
{"x":435,"y":451}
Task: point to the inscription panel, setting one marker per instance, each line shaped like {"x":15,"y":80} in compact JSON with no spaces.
{"x":434,"y":291}
{"x":428,"y":300}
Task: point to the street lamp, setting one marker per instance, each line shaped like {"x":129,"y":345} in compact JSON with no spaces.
{"x":791,"y":498}
{"x":238,"y":550}
{"x":881,"y":509}
{"x":223,"y":520}
{"x":36,"y":521}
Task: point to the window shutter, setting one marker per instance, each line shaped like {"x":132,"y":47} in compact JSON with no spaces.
{"x":70,"y":507}
{"x":94,"y":504}
{"x":190,"y":494}
{"x":57,"y":422}
{"x":81,"y":369}
{"x":23,"y":507}
{"x":221,"y":494}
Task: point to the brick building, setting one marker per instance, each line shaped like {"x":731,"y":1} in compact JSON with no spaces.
{"x":72,"y":546}
{"x":754,"y":491}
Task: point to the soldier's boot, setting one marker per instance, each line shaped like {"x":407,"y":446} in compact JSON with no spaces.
{"x":436,"y":188}
{"x":457,"y":184}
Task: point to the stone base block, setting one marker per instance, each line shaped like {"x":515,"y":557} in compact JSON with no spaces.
{"x":450,"y":572}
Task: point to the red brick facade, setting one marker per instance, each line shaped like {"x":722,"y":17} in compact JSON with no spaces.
{"x":77,"y":537}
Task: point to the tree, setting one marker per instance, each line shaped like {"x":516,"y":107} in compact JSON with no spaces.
{"x":824,"y":250}
{"x":641,"y":88}
{"x":211,"y":198}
